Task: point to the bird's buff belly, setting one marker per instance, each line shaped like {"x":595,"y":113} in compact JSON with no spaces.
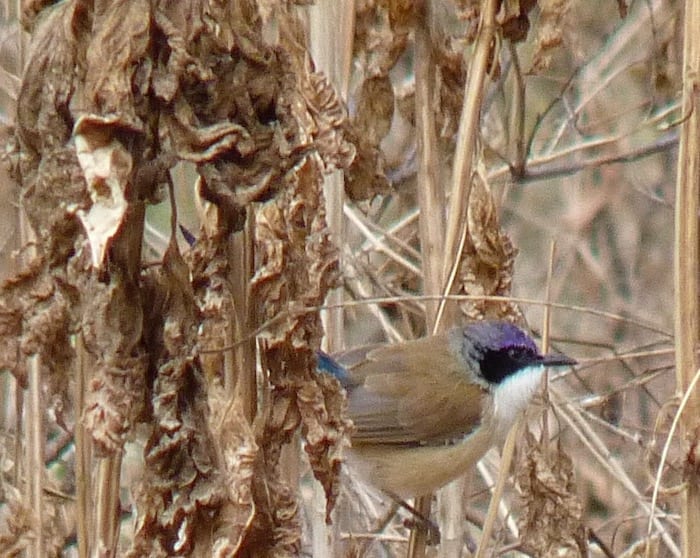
{"x":414,"y":471}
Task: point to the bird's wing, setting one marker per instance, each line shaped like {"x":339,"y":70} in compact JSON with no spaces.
{"x":429,"y":403}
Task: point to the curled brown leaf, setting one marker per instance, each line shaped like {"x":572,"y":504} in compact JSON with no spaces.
{"x":488,"y":257}
{"x":552,"y":523}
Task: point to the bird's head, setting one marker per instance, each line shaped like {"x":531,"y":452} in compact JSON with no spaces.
{"x":508,"y":364}
{"x":500,"y":349}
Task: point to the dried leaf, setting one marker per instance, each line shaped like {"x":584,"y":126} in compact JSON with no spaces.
{"x":115,"y":393}
{"x":15,"y":523}
{"x":10,"y":332}
{"x":37,"y":317}
{"x":118,"y":65}
{"x":236,"y":452}
{"x":202,"y":144}
{"x":297,"y":266}
{"x":281,"y":516}
{"x":209,"y":262}
{"x":322,"y":407}
{"x":52,"y":78}
{"x":15,"y":304}
{"x":514,"y":19}
{"x":329,"y":120}
{"x":107,"y":167}
{"x":552,"y":524}
{"x":183,"y":479}
{"x":112,"y":327}
{"x":488,"y":258}
{"x":53,"y":191}
{"x":298,"y":263}
{"x":375,"y":108}
{"x":180,"y":482}
{"x":451,"y":75}
{"x":381,"y":33}
{"x":551,"y":31}
{"x":365,"y":177}
{"x":48,"y":170}
{"x":48,"y":325}
{"x":111,"y":99}
{"x":381,"y":37}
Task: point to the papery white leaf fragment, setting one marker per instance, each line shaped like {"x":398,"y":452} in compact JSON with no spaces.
{"x":107,"y":167}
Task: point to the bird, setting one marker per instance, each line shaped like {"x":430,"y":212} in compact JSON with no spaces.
{"x":426,"y":410}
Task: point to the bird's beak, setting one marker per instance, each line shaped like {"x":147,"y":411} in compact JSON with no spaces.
{"x":557,"y":359}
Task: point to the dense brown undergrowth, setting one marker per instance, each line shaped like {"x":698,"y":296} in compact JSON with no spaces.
{"x":157,"y":387}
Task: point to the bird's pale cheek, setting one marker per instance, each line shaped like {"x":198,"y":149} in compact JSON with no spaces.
{"x":512,"y":395}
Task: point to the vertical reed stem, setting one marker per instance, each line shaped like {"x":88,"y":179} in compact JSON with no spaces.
{"x":686,"y":266}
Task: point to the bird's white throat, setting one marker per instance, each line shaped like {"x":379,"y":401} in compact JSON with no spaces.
{"x":513,"y":394}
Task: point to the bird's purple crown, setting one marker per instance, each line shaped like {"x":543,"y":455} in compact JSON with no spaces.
{"x":498,"y":349}
{"x":497,"y":336}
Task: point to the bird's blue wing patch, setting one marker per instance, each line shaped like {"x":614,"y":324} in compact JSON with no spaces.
{"x":188,"y":236}
{"x":328,"y":365}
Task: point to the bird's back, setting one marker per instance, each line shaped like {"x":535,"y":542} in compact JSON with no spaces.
{"x":409,"y":394}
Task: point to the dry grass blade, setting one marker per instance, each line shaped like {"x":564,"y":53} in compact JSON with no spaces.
{"x":35,"y":454}
{"x":507,"y":454}
{"x":664,"y":454}
{"x":465,"y":146}
{"x":686,"y":270}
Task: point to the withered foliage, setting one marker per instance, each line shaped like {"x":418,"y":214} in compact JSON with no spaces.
{"x":551,"y":31}
{"x":292,"y":236}
{"x":488,"y":256}
{"x":114,"y":96}
{"x":552,"y":523}
{"x":16,"y":533}
{"x":381,"y":35}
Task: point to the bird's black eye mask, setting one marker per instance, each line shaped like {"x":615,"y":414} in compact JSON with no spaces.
{"x":498,"y":364}
{"x":499,"y":349}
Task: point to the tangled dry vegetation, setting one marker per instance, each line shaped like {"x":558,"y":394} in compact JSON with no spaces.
{"x":189,"y":183}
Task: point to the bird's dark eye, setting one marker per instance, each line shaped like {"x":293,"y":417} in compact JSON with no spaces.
{"x":519,"y":354}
